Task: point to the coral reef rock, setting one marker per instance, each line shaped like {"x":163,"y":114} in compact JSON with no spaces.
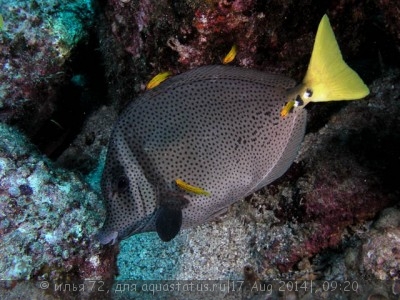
{"x":48,"y":217}
{"x":35,"y":42}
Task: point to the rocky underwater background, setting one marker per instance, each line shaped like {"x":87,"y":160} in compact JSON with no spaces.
{"x":69,"y":67}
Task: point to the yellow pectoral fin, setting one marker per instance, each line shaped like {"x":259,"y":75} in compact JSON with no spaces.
{"x":190,"y":188}
{"x":156,"y":80}
{"x":328,"y":75}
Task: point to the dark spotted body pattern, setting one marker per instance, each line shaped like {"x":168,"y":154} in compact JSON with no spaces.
{"x":216,"y":127}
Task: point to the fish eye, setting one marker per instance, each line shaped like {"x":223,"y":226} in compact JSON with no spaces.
{"x":122,"y":184}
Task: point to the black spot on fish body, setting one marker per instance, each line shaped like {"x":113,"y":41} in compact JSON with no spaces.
{"x":193,"y":127}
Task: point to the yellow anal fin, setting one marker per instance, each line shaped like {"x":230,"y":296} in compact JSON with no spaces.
{"x":190,"y":188}
{"x":328,"y":76}
{"x":230,"y":56}
{"x":287,"y":108}
{"x":156,"y":80}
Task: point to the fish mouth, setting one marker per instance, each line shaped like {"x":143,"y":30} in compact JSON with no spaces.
{"x":145,"y":225}
{"x":107,"y":236}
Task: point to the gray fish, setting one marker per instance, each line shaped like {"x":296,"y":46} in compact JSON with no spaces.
{"x":184,"y":151}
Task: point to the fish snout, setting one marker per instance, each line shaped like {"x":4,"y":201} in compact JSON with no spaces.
{"x":105,"y":236}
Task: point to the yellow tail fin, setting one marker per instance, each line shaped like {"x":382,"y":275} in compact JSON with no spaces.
{"x":328,"y":76}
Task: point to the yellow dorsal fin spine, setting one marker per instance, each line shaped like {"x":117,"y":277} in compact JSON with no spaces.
{"x":287,"y":108}
{"x":328,"y":76}
{"x":230,"y":56}
{"x":156,"y":80}
{"x":190,"y":188}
